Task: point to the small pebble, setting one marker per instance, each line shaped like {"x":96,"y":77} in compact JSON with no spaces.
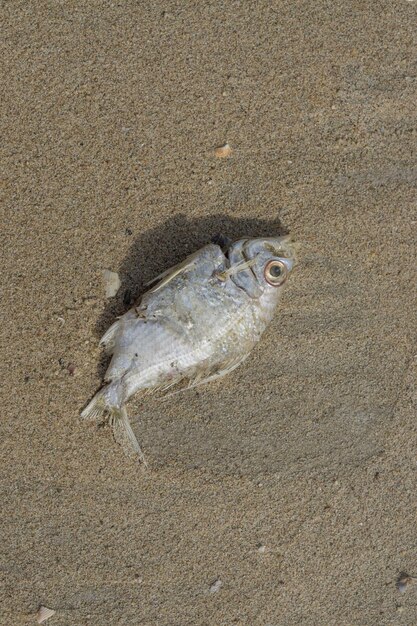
{"x":261,"y":548}
{"x":214,"y":588}
{"x":43,"y":614}
{"x":222,"y":152}
{"x":405,"y":581}
{"x":111,"y":283}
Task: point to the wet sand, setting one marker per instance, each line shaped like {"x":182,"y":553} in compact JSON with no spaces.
{"x":292,"y":481}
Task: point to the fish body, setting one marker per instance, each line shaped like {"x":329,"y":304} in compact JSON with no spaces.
{"x":198,"y":323}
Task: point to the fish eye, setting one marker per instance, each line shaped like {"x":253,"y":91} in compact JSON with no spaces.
{"x":275,"y":273}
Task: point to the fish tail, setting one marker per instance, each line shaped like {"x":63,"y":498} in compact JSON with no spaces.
{"x":118,"y":418}
{"x":123,"y":432}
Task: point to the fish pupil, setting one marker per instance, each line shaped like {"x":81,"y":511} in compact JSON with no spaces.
{"x":275,"y":271}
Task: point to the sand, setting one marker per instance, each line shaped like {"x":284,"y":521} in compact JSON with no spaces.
{"x":285,"y":494}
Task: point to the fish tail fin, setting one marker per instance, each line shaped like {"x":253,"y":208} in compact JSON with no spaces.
{"x":123,"y":432}
{"x":96,"y":407}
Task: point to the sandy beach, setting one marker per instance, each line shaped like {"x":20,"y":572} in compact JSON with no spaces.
{"x":284,"y":494}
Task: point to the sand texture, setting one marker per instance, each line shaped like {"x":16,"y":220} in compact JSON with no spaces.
{"x":284,"y":494}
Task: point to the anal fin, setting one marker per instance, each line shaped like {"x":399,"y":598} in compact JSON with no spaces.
{"x":96,"y":407}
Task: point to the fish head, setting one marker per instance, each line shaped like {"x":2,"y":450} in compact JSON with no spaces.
{"x":265,"y":263}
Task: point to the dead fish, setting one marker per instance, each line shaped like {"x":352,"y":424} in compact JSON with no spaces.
{"x":197,"y":324}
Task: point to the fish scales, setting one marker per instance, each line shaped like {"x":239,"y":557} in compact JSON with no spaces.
{"x":198,"y":323}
